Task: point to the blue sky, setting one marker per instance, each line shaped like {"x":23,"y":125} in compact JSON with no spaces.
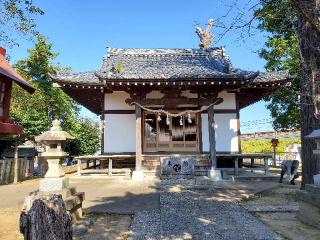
{"x":81,"y":30}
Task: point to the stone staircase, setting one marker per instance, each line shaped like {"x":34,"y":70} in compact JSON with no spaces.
{"x":202,"y":167}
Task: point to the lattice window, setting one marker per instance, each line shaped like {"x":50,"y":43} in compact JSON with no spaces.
{"x":174,"y":134}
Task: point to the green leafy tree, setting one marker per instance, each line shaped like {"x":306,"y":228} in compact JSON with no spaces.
{"x":17,"y":18}
{"x":36,"y":112}
{"x":282,"y":54}
{"x":295,"y":29}
{"x":87,"y":138}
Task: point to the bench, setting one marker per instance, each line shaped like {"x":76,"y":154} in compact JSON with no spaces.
{"x":109,"y":158}
{"x":251,"y":156}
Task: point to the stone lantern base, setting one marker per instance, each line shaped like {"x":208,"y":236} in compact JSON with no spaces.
{"x":53,"y":184}
{"x":71,"y":198}
{"x":60,"y":186}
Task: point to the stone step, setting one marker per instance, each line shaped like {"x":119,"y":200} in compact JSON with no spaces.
{"x":151,"y":160}
{"x":256,"y":178}
{"x":309,"y":197}
{"x":272,"y":208}
{"x":312,"y":188}
{"x":198,"y":174}
{"x":150,"y":168}
{"x":200,"y":168}
{"x":150,"y":164}
{"x":151,"y":173}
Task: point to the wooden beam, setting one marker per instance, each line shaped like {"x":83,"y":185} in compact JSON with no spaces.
{"x":174,"y":101}
{"x":138,"y":139}
{"x":102,"y":119}
{"x":212,"y":138}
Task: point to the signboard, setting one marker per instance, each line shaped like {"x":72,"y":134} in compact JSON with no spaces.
{"x":177,"y":166}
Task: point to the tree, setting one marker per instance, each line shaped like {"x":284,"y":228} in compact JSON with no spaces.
{"x":282,"y":54}
{"x":87,"y":138}
{"x":308,"y":33}
{"x":16,"y":17}
{"x":294,"y":45}
{"x":36,"y":112}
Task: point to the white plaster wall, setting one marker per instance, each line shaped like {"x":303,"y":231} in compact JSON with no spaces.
{"x":229,"y":101}
{"x":120,"y":133}
{"x":116,"y":101}
{"x":226,"y":132}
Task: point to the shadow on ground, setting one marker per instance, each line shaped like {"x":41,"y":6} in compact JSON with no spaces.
{"x":178,"y":210}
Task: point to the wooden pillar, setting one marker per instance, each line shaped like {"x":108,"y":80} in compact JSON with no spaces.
{"x":88,"y":164}
{"x":138,"y":139}
{"x":212,"y":138}
{"x":252,"y":164}
{"x":102,"y":128}
{"x":236,"y":166}
{"x":102,"y":120}
{"x":266,"y":165}
{"x":78,"y":167}
{"x":110,"y":167}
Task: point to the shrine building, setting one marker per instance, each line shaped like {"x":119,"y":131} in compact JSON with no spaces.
{"x":158,"y":102}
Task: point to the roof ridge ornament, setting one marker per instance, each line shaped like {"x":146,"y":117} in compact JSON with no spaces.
{"x":205,"y":35}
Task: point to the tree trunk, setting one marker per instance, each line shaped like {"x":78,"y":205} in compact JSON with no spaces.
{"x":309,"y":45}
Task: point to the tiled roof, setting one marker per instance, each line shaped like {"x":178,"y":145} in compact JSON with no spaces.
{"x":166,"y":64}
{"x":80,"y":78}
{"x":8,"y":71}
{"x":265,"y":77}
{"x":123,"y":63}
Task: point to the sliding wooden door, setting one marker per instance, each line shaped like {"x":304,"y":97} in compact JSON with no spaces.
{"x":175,"y":134}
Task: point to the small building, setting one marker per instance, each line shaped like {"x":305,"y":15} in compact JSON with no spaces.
{"x":158,"y":102}
{"x":7,"y":76}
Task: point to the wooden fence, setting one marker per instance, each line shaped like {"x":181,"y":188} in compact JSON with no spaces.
{"x":7,"y":170}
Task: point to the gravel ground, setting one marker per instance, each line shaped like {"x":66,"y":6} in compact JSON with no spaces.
{"x":196,"y":214}
{"x":146,"y":225}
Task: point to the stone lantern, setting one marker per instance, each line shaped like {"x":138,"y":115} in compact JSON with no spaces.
{"x":53,"y":188}
{"x":316,"y":136}
{"x":53,"y":139}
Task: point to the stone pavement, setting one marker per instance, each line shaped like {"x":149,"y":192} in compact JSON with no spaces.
{"x":207,"y":213}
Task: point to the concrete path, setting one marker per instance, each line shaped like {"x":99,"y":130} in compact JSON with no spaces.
{"x":12,"y":196}
{"x":119,"y":196}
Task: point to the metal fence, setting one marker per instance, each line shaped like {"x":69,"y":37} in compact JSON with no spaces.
{"x":279,"y":157}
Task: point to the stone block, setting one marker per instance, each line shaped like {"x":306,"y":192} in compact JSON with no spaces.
{"x":308,"y":197}
{"x":177,"y":165}
{"x":137,"y":175}
{"x":53,"y":184}
{"x":309,"y":214}
{"x":312,"y":188}
{"x":316,"y":180}
{"x":215,"y":175}
{"x":203,"y":180}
